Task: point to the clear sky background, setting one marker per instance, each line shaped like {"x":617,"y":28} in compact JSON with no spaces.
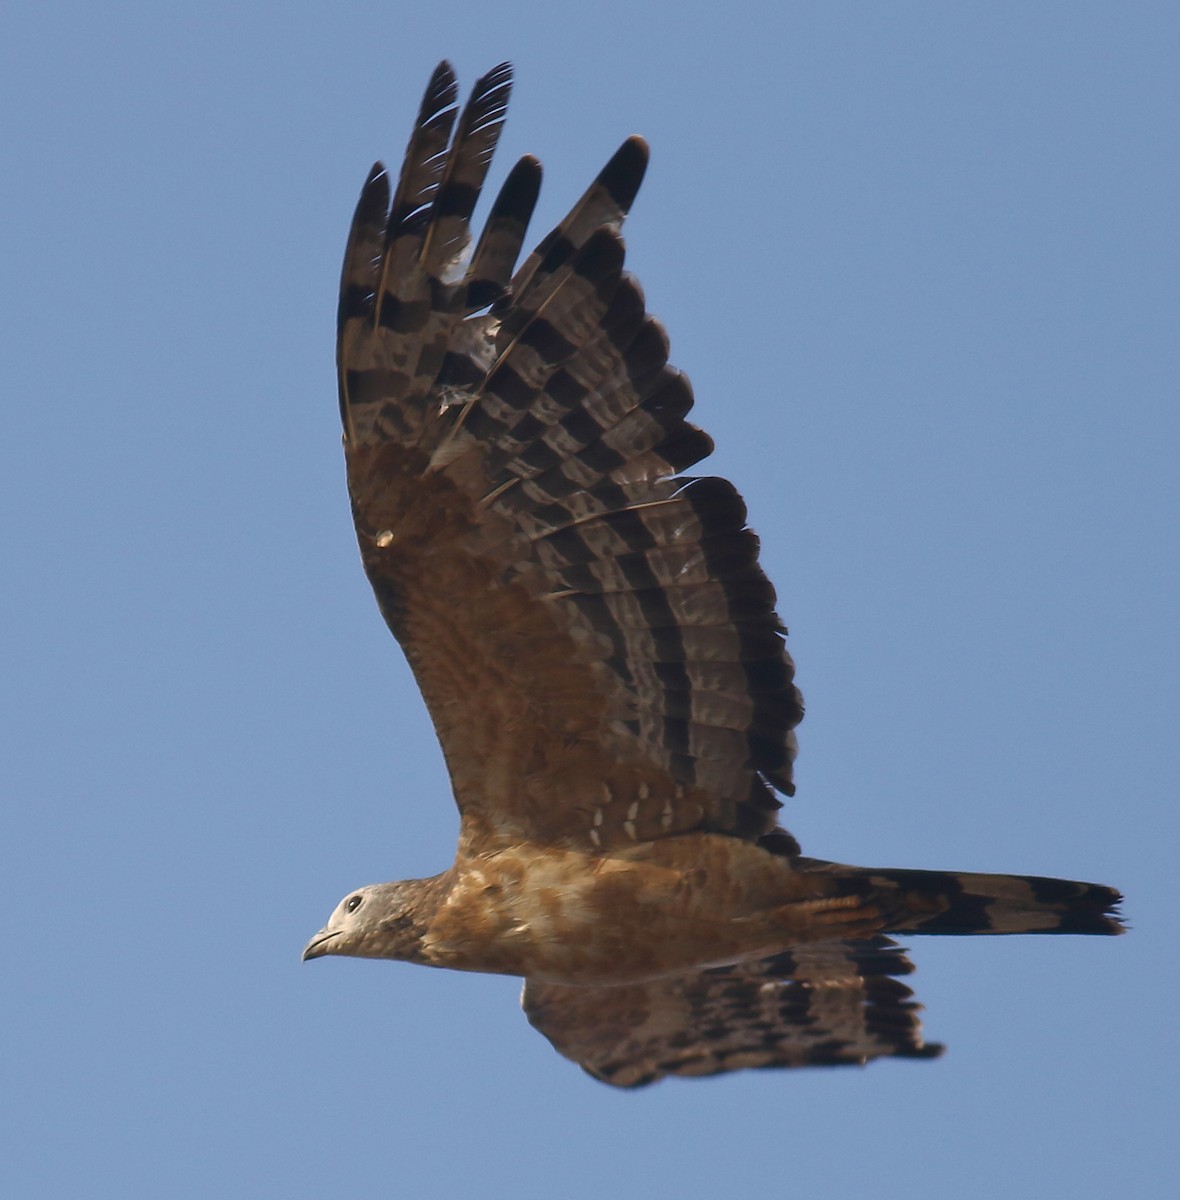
{"x":920,"y":261}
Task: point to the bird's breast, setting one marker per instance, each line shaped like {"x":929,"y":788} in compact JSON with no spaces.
{"x":564,"y":916}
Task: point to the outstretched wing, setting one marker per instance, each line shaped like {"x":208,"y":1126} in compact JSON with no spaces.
{"x":591,"y":631}
{"x":819,"y":1005}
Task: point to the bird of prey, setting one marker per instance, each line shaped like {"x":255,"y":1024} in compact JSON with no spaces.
{"x":600,"y":653}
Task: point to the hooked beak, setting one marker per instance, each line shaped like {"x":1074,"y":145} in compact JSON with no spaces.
{"x":318,"y":946}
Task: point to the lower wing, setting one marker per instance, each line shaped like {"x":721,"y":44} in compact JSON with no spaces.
{"x":819,"y":1005}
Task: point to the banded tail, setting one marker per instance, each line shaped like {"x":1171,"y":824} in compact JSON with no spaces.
{"x":956,"y":902}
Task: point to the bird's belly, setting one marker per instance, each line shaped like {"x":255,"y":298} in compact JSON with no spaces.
{"x":565,"y":917}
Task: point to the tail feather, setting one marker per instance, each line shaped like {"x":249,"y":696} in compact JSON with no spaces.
{"x":954,"y":902}
{"x":906,"y":901}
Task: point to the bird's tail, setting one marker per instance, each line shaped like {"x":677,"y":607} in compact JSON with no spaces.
{"x":961,"y":902}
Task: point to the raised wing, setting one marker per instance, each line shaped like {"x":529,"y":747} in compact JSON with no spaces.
{"x":592,"y":633}
{"x":828,"y":1004}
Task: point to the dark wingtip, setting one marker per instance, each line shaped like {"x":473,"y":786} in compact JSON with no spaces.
{"x":498,"y":76}
{"x":372,"y":207}
{"x":623,"y":174}
{"x":925,"y":1050}
{"x":518,"y":195}
{"x":441,"y":92}
{"x":490,"y":95}
{"x":443,"y":74}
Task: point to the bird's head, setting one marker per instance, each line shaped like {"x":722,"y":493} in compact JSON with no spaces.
{"x":378,"y":921}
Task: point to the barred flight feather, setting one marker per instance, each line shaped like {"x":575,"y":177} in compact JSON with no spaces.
{"x":828,"y":1004}
{"x":557,"y":418}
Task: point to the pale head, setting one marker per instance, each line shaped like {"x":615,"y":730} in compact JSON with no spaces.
{"x":377,"y":921}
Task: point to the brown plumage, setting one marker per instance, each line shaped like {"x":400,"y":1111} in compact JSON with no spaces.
{"x":600,"y":653}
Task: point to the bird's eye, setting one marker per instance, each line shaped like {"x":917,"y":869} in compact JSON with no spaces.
{"x":354,"y":903}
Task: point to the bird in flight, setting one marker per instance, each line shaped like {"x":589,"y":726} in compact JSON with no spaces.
{"x":600,"y":653}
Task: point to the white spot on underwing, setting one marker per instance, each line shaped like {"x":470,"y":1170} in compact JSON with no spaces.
{"x":384,"y":539}
{"x":629,"y":826}
{"x":597,"y":819}
{"x":633,"y":810}
{"x":595,"y":838}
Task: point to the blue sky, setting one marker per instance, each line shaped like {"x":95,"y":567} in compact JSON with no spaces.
{"x":920,"y":261}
